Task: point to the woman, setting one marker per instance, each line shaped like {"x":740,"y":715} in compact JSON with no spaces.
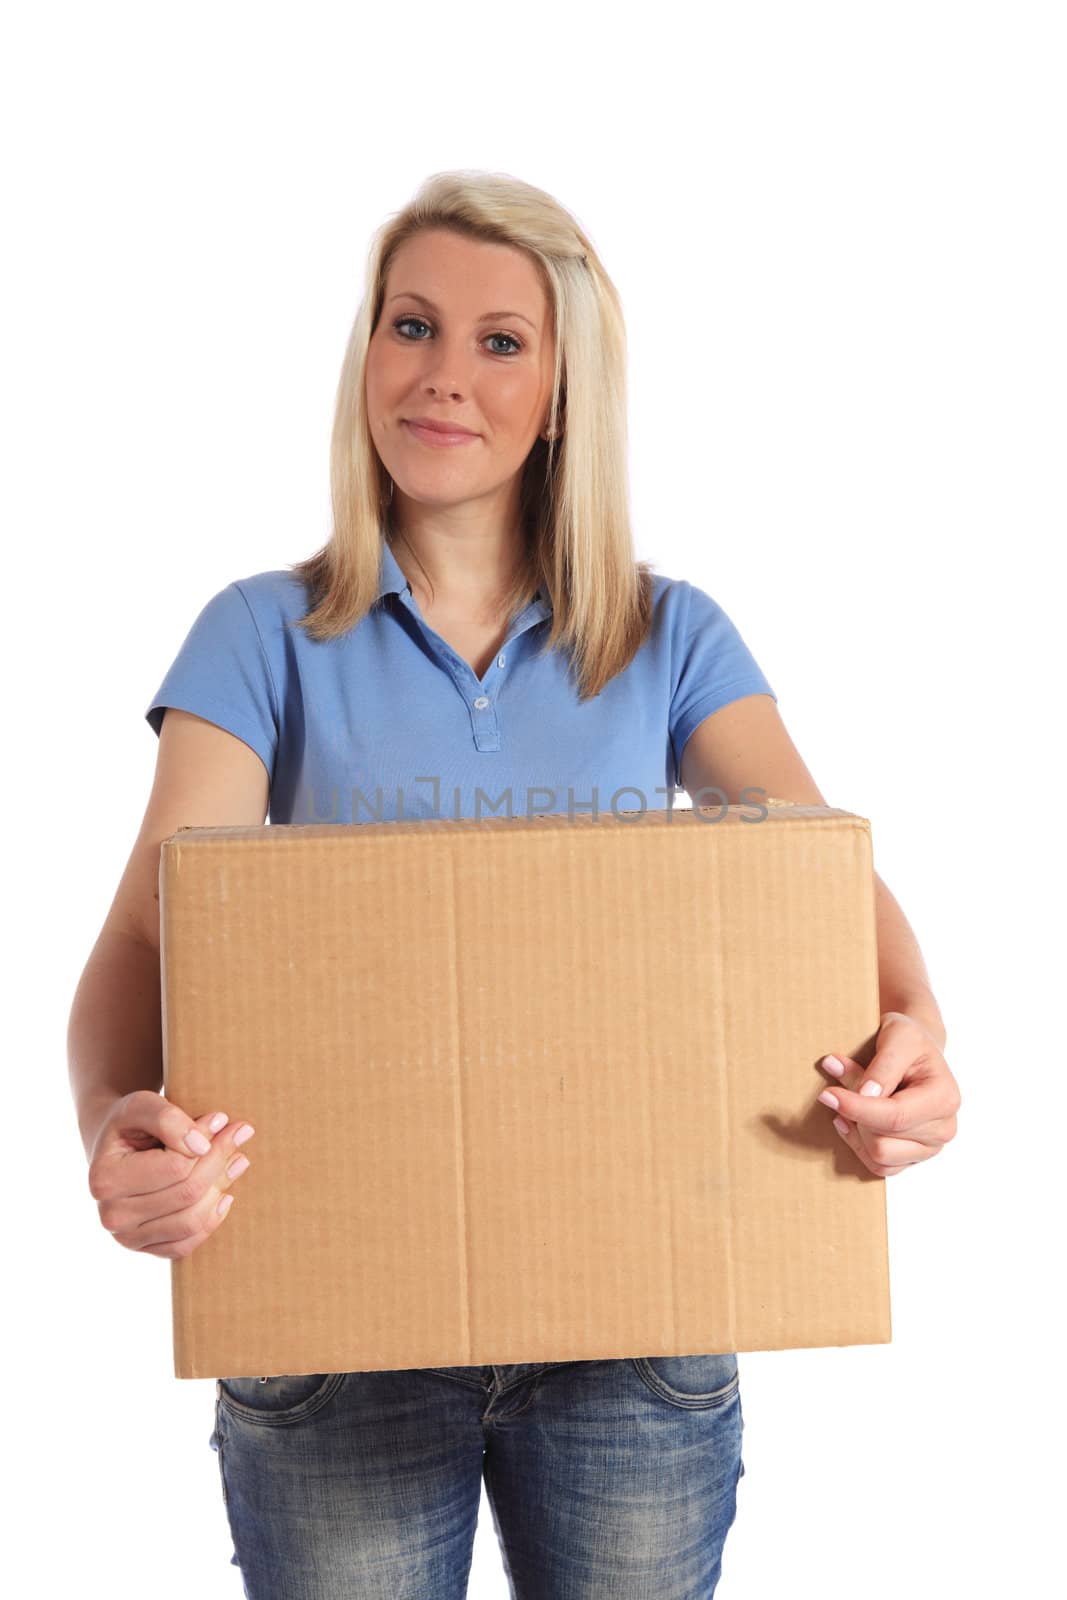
{"x":476,"y":633}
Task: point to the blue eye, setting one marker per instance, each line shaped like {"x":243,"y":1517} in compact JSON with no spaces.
{"x":404,"y":321}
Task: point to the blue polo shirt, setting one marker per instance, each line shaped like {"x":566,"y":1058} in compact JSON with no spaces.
{"x":389,"y":723}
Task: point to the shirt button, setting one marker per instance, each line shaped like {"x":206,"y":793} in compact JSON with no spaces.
{"x":500,"y":661}
{"x":481,"y":703}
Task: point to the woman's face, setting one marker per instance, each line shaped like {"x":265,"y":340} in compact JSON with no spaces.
{"x":477,"y":349}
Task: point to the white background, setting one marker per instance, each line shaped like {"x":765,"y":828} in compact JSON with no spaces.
{"x":838,"y":232}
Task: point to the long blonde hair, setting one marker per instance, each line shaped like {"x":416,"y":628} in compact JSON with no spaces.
{"x":575,"y":500}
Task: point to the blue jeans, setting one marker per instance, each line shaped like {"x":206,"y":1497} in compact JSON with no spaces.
{"x":607,"y":1480}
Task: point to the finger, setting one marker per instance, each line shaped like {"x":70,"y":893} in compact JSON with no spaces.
{"x":902,"y":1048}
{"x":209,"y":1178}
{"x":843,"y":1069}
{"x":123,"y":1213}
{"x":179,"y":1226}
{"x":174,"y":1249}
{"x":149,"y":1133}
{"x":901,"y":1044}
{"x":853,"y":1090}
{"x":146,"y":1118}
{"x":895,"y":1150}
{"x":146,"y":1169}
{"x":909,"y":1109}
{"x":845,"y":1073}
{"x":131,"y":1160}
{"x":175,"y":1129}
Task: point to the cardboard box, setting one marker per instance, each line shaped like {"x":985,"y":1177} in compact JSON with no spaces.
{"x":525,"y":1088}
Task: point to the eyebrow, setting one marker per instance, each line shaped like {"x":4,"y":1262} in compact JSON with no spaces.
{"x":485,"y":317}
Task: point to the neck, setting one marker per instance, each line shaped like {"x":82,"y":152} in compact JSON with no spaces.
{"x":462,"y":576}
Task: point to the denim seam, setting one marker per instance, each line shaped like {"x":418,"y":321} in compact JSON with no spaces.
{"x":534,"y":1380}
{"x":292,"y":1414}
{"x":711,"y":1401}
{"x":218,"y":1448}
{"x":475,"y":1383}
{"x":468,"y":1383}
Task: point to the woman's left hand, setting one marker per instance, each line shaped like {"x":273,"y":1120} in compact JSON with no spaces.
{"x":902,"y":1108}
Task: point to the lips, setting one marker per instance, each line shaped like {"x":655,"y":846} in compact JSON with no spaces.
{"x":437,"y":424}
{"x":438,"y":433}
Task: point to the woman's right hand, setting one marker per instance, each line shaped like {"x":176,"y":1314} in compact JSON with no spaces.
{"x":154,"y":1191}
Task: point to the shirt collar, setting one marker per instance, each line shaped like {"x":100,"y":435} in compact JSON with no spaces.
{"x":391,"y":580}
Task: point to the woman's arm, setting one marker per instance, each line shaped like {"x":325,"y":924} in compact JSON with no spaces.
{"x":746,"y":745}
{"x":114,"y":1036}
{"x":205,"y":777}
{"x":903,"y":982}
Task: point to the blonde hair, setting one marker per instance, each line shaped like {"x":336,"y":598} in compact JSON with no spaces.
{"x":575,"y":501}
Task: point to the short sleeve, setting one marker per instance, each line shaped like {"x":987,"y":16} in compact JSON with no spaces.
{"x":716,"y":667}
{"x":222,"y":673}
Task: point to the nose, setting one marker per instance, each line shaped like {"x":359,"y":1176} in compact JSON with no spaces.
{"x":445,"y":366}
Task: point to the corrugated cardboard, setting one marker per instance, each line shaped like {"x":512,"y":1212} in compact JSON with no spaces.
{"x":525,"y":1088}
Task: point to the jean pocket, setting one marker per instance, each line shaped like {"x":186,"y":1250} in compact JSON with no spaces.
{"x":696,"y":1382}
{"x":276,"y":1401}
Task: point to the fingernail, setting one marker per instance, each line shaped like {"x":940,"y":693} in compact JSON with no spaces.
{"x":219,"y":1120}
{"x":841,"y":1125}
{"x":197,"y":1142}
{"x":235,"y":1168}
{"x":224,"y":1204}
{"x":871,"y":1088}
{"x":243,"y":1133}
{"x":830,"y":1100}
{"x":832,"y":1064}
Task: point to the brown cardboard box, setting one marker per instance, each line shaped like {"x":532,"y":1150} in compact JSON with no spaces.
{"x":525,"y":1089}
